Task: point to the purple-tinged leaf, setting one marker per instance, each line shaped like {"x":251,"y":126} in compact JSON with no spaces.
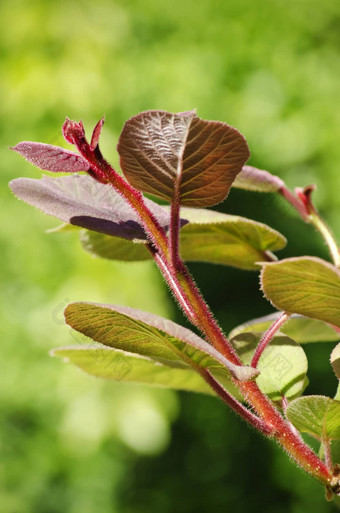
{"x":96,"y":133}
{"x":71,"y":129}
{"x":149,"y":335}
{"x":109,"y":363}
{"x":253,"y":179}
{"x":51,"y":158}
{"x":161,"y":152}
{"x":81,"y":201}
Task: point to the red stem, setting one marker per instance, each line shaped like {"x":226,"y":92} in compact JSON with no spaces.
{"x":235,"y":405}
{"x":267,"y":337}
{"x":328,"y":454}
{"x":175,"y":228}
{"x":295,"y":202}
{"x":192,"y":302}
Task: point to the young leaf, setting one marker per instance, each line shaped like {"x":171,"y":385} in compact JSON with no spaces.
{"x":149,"y":335}
{"x":305,"y":285}
{"x":253,"y":179}
{"x":317,"y":415}
{"x":84,"y":202}
{"x":335,"y":360}
{"x":51,"y":158}
{"x":96,"y":134}
{"x":208,"y":237}
{"x":283,"y":364}
{"x":299,"y":328}
{"x":109,"y":363}
{"x":161,"y":152}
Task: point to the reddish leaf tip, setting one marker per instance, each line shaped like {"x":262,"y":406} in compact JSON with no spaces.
{"x":72,"y":130}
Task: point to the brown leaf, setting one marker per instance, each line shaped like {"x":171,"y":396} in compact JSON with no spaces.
{"x":161,"y":152}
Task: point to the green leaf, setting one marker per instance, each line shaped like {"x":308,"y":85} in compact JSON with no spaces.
{"x":152,"y":336}
{"x":113,"y":248}
{"x":317,"y":415}
{"x":335,"y":360}
{"x":299,"y":328}
{"x":305,"y":285}
{"x":224,"y":239}
{"x":283,"y":364}
{"x":208,"y":237}
{"x":109,"y":363}
{"x":253,"y":179}
{"x":161,"y":152}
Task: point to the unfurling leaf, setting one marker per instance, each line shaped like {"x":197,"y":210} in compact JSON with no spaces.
{"x":161,"y":152}
{"x":305,"y":285}
{"x":84,"y":202}
{"x":317,"y":415}
{"x":51,"y":158}
{"x":208,"y":237}
{"x":152,"y":336}
{"x":335,"y":360}
{"x":299,"y":328}
{"x":253,"y":179}
{"x":109,"y":363}
{"x":283,"y":364}
{"x":96,"y":134}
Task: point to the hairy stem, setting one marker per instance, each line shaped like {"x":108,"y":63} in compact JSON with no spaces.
{"x":103,"y":171}
{"x":235,"y":405}
{"x":175,"y":228}
{"x":328,"y":454}
{"x":189,"y":297}
{"x":267,"y":337}
{"x":275,"y":424}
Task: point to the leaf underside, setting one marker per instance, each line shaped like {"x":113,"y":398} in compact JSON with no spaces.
{"x":161,"y":152}
{"x":121,"y":366}
{"x":84,"y":202}
{"x":253,"y":179}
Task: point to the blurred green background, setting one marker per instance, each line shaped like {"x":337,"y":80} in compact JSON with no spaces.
{"x":71,"y":443}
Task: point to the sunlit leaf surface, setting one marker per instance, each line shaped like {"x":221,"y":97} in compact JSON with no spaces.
{"x":317,"y":415}
{"x":161,"y":152}
{"x":304,"y":285}
{"x":149,"y":335}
